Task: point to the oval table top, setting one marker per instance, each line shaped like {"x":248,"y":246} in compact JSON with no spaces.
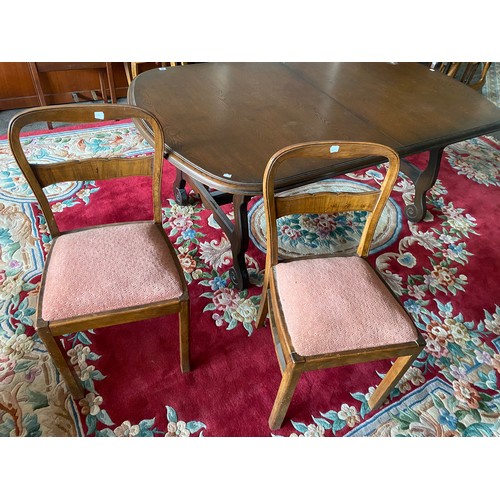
{"x":223,"y":121}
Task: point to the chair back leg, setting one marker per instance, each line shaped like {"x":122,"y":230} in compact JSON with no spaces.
{"x":263,"y":308}
{"x":184,"y":336}
{"x":38,"y":88}
{"x":111,"y":82}
{"x":102,"y":83}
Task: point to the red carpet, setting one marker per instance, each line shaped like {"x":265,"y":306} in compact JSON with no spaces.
{"x":444,"y":270}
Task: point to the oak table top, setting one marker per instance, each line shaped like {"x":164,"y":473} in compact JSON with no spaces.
{"x":223,"y":121}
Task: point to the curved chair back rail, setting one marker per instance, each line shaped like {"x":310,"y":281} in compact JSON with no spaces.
{"x":374,"y":203}
{"x":42,"y":175}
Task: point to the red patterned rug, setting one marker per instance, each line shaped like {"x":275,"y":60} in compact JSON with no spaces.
{"x":444,"y":270}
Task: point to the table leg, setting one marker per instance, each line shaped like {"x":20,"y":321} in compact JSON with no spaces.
{"x":423,"y":180}
{"x":236,"y":232}
{"x":180,"y":193}
{"x":239,"y":242}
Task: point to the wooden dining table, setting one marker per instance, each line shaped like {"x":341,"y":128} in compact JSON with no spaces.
{"x":223,"y":121}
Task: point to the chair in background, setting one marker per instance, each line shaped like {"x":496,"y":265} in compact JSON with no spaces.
{"x":334,"y":310}
{"x":102,"y":275}
{"x":104,"y":70}
{"x":472,"y":74}
{"x":132,"y":69}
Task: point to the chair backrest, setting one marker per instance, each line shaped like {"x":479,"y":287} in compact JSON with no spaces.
{"x":46,"y":67}
{"x":472,"y":74}
{"x":98,"y":168}
{"x":104,"y":69}
{"x":328,"y":202}
{"x":135,"y":68}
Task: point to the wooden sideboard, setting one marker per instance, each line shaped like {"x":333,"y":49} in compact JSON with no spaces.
{"x":17,"y":89}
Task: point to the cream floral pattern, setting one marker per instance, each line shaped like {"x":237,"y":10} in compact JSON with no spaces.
{"x":315,"y":234}
{"x":203,"y":263}
{"x":477,"y":160}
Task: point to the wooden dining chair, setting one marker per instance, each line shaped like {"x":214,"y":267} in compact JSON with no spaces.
{"x":104,"y":71}
{"x":328,"y":311}
{"x":132,"y":69}
{"x":109,"y":274}
{"x":472,"y":74}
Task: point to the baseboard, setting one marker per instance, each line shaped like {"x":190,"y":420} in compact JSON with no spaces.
{"x":62,"y":98}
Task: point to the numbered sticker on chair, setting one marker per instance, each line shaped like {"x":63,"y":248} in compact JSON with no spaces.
{"x":334,"y":149}
{"x":99,"y":115}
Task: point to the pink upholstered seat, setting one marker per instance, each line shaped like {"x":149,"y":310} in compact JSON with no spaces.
{"x":338,"y":304}
{"x":108,"y":268}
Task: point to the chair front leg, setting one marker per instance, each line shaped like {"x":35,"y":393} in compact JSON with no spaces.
{"x":390,"y":380}
{"x":286,"y":389}
{"x":59,"y":358}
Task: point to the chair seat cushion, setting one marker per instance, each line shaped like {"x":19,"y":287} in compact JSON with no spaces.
{"x":338,"y":304}
{"x":108,"y":268}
